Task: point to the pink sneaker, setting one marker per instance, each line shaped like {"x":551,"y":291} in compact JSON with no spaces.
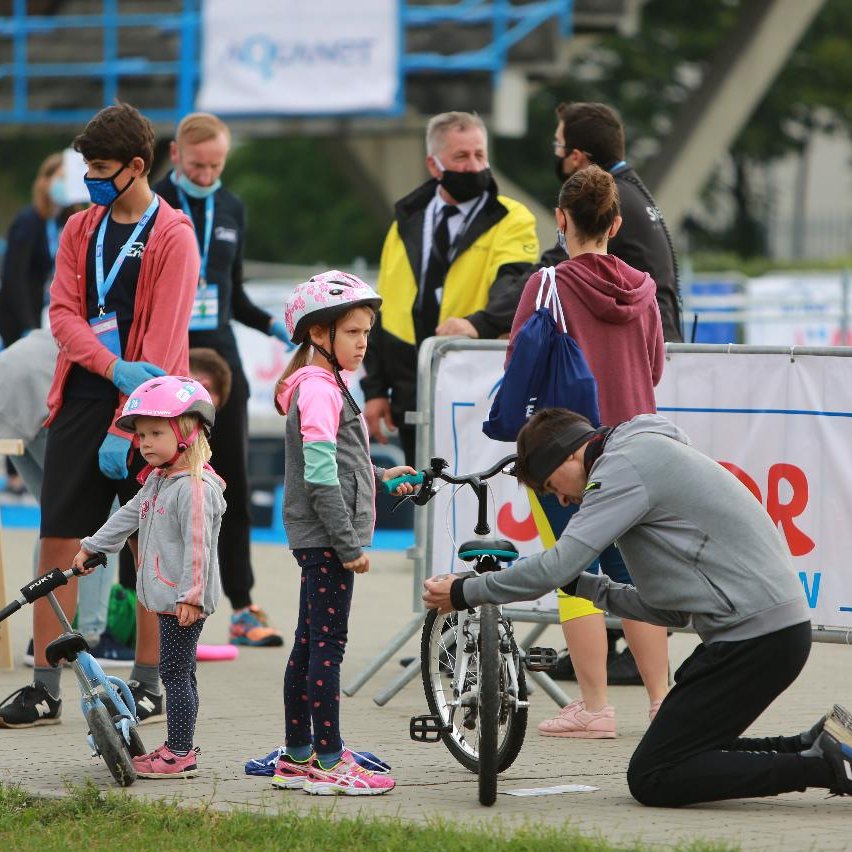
{"x":346,"y":778}
{"x":290,"y":775}
{"x":654,"y":709}
{"x":575,"y":721}
{"x":164,"y":763}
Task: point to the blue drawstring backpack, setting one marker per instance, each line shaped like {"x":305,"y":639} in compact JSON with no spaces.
{"x":547,"y":370}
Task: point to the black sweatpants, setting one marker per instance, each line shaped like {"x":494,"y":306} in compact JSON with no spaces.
{"x":693,"y":750}
{"x":229,"y":443}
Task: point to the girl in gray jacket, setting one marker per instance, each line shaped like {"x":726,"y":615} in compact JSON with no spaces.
{"x":177,"y":513}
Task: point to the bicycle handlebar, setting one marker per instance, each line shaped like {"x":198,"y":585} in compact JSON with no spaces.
{"x":42,"y":586}
{"x":476,"y":481}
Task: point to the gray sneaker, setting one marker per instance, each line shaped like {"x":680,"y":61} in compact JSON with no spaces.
{"x":834,"y":746}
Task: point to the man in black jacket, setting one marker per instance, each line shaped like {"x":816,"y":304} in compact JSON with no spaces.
{"x":593,"y":133}
{"x":198,"y":154}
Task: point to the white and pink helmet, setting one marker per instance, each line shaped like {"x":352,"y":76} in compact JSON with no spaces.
{"x":167,"y":396}
{"x":323,"y":299}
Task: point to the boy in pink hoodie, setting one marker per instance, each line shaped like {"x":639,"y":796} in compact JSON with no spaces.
{"x":120,"y":302}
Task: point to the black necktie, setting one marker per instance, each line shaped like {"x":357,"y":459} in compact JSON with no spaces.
{"x":426,"y":317}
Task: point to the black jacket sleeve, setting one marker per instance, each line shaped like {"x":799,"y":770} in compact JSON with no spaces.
{"x":503,"y":297}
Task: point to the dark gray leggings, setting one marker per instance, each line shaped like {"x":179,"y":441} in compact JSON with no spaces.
{"x":177,"y":671}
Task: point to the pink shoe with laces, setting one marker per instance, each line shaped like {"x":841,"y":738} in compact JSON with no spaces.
{"x":164,"y":763}
{"x":577,"y":722}
{"x":346,"y":778}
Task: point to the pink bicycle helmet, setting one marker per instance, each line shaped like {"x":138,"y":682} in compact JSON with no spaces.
{"x":323,"y":299}
{"x":167,"y":396}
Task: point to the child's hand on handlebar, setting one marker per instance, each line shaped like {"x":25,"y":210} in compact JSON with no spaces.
{"x":80,"y":562}
{"x":400,"y":470}
{"x":361,"y":565}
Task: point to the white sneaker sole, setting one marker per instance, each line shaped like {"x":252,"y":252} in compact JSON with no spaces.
{"x":288,"y":783}
{"x":325,"y":789}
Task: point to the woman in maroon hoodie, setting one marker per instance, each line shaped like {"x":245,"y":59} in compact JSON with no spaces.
{"x":611,"y":311}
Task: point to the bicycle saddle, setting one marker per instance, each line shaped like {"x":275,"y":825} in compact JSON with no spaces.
{"x":500,"y":548}
{"x":66,"y":647}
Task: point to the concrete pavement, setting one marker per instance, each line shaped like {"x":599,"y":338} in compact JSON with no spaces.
{"x":241,"y":718}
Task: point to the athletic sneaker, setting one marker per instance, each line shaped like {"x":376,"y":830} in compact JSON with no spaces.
{"x":250,"y":627}
{"x":291,"y":774}
{"x":346,"y":778}
{"x":149,"y":705}
{"x":164,"y":763}
{"x":111,"y":654}
{"x":834,"y":746}
{"x":29,"y":707}
{"x":577,"y":722}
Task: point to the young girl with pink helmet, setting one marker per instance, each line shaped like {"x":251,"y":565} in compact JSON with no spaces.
{"x":329,"y":514}
{"x":178,"y":513}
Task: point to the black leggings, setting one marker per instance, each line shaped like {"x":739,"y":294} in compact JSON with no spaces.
{"x":177,"y":671}
{"x":693,"y":750}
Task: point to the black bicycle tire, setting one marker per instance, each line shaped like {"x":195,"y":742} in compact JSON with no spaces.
{"x":510,"y":748}
{"x":110,"y":744}
{"x":488,"y":708}
{"x":136,"y":747}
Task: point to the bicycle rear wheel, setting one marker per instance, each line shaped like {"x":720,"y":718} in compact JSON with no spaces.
{"x":437,"y":663}
{"x":110,"y":745}
{"x":488,"y":709}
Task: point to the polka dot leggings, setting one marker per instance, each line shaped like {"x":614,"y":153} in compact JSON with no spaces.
{"x":312,"y":676}
{"x":177,"y":671}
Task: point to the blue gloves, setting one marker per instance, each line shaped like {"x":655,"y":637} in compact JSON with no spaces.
{"x":112,"y":456}
{"x":128,"y":375}
{"x":278,"y":329}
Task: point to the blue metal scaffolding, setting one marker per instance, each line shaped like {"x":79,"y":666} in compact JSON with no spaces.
{"x":509,"y":23}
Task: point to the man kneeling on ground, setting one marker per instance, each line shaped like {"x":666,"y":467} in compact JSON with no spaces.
{"x":699,"y":548}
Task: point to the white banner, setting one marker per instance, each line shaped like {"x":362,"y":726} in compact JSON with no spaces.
{"x":783,"y":426}
{"x":299,"y":57}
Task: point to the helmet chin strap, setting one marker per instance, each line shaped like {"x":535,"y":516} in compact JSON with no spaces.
{"x":183,"y":444}
{"x":335,"y":368}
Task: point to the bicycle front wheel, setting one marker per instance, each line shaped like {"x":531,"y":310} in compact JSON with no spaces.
{"x":455,"y":705}
{"x":488,"y":710}
{"x":110,"y":745}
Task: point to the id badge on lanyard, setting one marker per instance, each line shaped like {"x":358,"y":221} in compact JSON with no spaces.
{"x":205,"y":306}
{"x":106,"y":330}
{"x":105,"y":325}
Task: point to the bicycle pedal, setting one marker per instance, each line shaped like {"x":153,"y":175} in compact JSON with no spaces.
{"x":541,"y":659}
{"x":426,"y":729}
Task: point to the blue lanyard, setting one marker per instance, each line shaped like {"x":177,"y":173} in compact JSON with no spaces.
{"x":52,"y":230}
{"x":209,"y":205}
{"x":104,"y":286}
{"x":620,"y":166}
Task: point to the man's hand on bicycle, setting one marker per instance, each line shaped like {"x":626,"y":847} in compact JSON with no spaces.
{"x":436,"y":592}
{"x":80,"y":562}
{"x":361,"y":565}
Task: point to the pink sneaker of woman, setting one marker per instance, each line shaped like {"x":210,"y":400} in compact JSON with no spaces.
{"x":575,"y":721}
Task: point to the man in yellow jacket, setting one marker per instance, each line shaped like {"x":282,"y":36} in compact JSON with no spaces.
{"x":452,"y":264}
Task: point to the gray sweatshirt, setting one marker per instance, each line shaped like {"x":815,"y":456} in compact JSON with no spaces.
{"x":178,"y":518}
{"x":329,"y":481}
{"x":697,"y":544}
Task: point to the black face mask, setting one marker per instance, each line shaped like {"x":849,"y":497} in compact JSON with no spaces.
{"x":463,"y":186}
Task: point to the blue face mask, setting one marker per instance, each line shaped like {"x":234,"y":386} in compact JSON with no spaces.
{"x":560,"y":239}
{"x":58,"y":192}
{"x":103,"y":191}
{"x":193,"y":190}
